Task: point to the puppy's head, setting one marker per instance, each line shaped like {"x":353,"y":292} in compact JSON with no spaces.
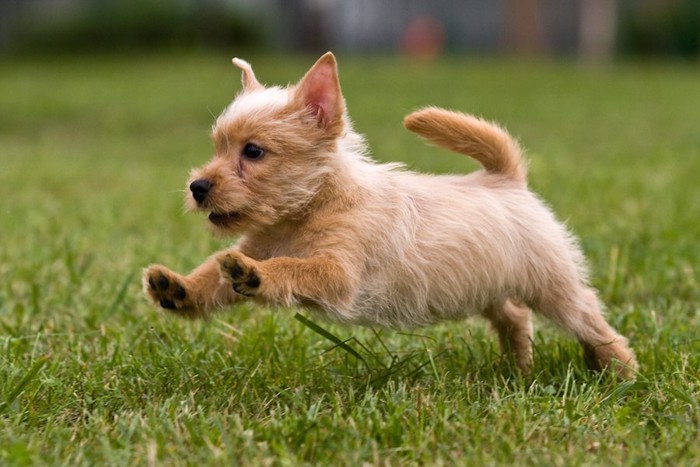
{"x":272,"y":150}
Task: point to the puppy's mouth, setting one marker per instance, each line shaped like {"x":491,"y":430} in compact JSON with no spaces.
{"x":224,"y":219}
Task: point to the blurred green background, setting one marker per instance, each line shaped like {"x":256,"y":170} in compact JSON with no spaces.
{"x":592,"y":29}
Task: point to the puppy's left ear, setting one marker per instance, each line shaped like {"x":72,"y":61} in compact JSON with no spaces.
{"x":319,"y":91}
{"x":248,"y":79}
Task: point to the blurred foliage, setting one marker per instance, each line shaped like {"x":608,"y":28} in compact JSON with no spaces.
{"x":114,"y":25}
{"x":660,"y":28}
{"x":645,"y":28}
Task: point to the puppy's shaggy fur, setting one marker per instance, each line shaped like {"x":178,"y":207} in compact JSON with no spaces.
{"x":325,"y":227}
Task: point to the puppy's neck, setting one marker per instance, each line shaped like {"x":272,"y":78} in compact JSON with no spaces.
{"x":346,"y":180}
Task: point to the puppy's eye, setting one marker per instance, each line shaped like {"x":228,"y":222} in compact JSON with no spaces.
{"x":252,"y":152}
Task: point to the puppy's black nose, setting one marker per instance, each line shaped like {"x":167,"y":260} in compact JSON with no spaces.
{"x":200,"y":189}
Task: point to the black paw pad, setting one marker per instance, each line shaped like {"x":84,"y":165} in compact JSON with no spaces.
{"x":163,"y":282}
{"x":236,"y":271}
{"x":180,"y":293}
{"x":253,"y":281}
{"x":167,"y":303}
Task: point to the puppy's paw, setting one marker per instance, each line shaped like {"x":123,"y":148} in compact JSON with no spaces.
{"x":240,"y":271}
{"x":165,"y":288}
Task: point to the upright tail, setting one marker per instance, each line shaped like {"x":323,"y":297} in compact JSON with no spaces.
{"x":486,"y":142}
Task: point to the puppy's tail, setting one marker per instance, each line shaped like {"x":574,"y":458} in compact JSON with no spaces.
{"x":486,"y":142}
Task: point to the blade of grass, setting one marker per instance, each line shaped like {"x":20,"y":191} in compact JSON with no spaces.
{"x":119,"y":298}
{"x":25,"y":381}
{"x":331,"y":337}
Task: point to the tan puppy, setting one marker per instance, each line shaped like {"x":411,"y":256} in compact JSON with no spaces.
{"x":325,"y":227}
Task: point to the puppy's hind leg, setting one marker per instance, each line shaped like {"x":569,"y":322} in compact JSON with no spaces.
{"x":579,"y":312}
{"x":513,"y":323}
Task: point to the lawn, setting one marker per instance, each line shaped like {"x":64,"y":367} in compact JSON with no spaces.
{"x":94,"y":153}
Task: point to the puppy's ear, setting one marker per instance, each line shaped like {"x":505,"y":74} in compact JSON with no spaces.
{"x":248,"y":79}
{"x":319,"y":91}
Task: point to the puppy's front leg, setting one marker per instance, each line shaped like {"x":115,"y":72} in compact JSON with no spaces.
{"x":320,"y":280}
{"x":191,"y":296}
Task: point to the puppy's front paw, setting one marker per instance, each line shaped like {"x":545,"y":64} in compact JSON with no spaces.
{"x":240,"y":271}
{"x":163,"y":287}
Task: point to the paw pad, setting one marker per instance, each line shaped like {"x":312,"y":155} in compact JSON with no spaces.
{"x":179,"y":293}
{"x":165,"y":291}
{"x":253,"y":281}
{"x":244,"y":279}
{"x":236,"y":271}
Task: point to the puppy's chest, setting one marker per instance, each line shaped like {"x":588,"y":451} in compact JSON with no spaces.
{"x":278,"y":245}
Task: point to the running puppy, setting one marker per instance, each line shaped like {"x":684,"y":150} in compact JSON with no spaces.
{"x":323,"y":226}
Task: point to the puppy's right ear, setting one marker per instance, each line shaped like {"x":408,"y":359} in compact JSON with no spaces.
{"x":250,"y":82}
{"x":319,"y":91}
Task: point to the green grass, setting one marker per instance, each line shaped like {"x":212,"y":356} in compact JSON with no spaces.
{"x":94,"y":153}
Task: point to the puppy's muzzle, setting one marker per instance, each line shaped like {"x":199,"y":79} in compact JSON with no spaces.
{"x":200,"y":189}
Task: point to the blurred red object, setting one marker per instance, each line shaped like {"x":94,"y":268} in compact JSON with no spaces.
{"x":423,"y":38}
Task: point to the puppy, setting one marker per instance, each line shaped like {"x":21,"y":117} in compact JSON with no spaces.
{"x":323,"y":226}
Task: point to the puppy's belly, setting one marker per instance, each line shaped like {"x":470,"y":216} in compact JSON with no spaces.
{"x":409,"y":304}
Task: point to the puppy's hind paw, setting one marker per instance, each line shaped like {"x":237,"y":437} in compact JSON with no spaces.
{"x":240,"y":271}
{"x":164,"y":288}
